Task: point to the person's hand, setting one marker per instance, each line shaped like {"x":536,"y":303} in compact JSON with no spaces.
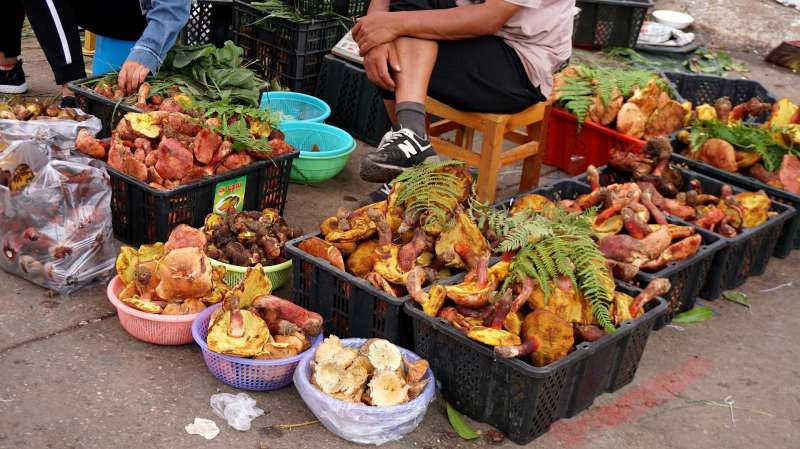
{"x":378,"y":62}
{"x":131,"y":76}
{"x":375,"y":29}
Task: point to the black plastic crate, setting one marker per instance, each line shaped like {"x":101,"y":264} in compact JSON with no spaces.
{"x":700,"y":89}
{"x":685,"y":276}
{"x":315,"y":35}
{"x":346,"y":8}
{"x":297,"y":72}
{"x":610,"y":23}
{"x":209,"y":23}
{"x":356,"y":104}
{"x":109,"y":111}
{"x":745,"y":255}
{"x":350,"y":306}
{"x":790,"y":235}
{"x":521,"y":400}
{"x":142,"y":214}
{"x":290,"y":51}
{"x":351,"y":8}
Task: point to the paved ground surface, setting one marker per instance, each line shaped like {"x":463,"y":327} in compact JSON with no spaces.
{"x":70,"y":377}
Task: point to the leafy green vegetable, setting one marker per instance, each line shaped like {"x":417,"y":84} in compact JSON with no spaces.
{"x":745,"y":137}
{"x":235,"y":121}
{"x":695,"y":315}
{"x":459,"y":425}
{"x":736,"y":297}
{"x":713,"y":63}
{"x":210,"y":73}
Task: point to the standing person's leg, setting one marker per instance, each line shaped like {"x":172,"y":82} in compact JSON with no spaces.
{"x":12,"y":78}
{"x":56,"y":28}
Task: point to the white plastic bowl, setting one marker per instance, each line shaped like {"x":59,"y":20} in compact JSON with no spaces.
{"x":673,"y":19}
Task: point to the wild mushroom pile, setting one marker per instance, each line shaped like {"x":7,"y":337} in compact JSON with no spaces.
{"x":253,"y":323}
{"x":635,"y":102}
{"x":767,"y":152}
{"x":248,"y":238}
{"x":19,"y":108}
{"x":375,"y":374}
{"x":421,"y":233}
{"x":167,"y":149}
{"x":173,"y":278}
{"x":656,"y":186}
{"x":552,"y":290}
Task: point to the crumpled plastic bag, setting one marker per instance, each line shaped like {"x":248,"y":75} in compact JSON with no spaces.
{"x":206,"y":428}
{"x":56,"y":232}
{"x":361,"y":423}
{"x":59,"y":132}
{"x":239,"y":410}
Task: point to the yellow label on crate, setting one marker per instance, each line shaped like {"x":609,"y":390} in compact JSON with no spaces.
{"x":229,"y":195}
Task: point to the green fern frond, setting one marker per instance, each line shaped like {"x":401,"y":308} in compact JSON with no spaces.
{"x":577,"y":93}
{"x":430,"y":193}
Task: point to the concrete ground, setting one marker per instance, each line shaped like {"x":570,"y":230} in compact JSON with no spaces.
{"x":70,"y":377}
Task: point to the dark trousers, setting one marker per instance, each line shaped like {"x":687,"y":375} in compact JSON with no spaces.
{"x":57,"y":28}
{"x":482,"y":74}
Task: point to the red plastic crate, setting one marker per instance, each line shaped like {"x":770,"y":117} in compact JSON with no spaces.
{"x":572,"y":151}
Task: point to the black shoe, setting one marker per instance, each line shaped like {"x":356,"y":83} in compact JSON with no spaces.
{"x":377,"y":196}
{"x":400,"y":151}
{"x":12,"y":81}
{"x":69,"y":102}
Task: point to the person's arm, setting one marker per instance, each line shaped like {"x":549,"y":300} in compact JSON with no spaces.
{"x":458,"y":23}
{"x":165,"y":20}
{"x":378,"y":6}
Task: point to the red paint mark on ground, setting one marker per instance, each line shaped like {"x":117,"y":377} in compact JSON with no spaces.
{"x":632,"y":403}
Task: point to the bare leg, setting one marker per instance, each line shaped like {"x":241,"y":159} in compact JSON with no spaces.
{"x":390,"y":105}
{"x":417,"y":57}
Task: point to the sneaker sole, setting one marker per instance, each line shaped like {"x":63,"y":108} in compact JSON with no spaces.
{"x":378,"y":173}
{"x":9,"y":89}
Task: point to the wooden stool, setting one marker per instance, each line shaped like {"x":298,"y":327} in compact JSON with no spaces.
{"x":496,"y":128}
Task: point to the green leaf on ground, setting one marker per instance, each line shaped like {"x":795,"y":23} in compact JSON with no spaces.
{"x":459,"y":425}
{"x":737,"y":297}
{"x":697,"y":314}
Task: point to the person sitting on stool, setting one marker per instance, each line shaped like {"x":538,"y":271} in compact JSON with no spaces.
{"x":495,"y":56}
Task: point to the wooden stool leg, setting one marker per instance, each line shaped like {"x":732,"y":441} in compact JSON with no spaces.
{"x":469,"y":138}
{"x":491,"y":150}
{"x":460,"y":136}
{"x":532,"y":165}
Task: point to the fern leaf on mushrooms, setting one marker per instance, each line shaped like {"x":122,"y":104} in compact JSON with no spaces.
{"x":433,"y":191}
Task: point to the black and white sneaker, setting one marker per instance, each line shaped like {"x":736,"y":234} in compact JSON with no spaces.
{"x":12,"y":81}
{"x":377,"y":196}
{"x":399,"y":151}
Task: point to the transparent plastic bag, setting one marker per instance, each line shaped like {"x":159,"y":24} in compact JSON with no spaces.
{"x":361,"y":423}
{"x":59,"y":132}
{"x":238,"y":410}
{"x":56,"y":232}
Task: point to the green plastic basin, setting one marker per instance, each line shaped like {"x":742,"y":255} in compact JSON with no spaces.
{"x":311,"y":170}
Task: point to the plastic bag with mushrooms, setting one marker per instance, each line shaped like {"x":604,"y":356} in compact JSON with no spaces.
{"x":58,"y":126}
{"x":354,"y":400}
{"x":55,"y":219}
{"x":375,"y":373}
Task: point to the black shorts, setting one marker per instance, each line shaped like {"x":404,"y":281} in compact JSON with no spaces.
{"x":482,"y":74}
